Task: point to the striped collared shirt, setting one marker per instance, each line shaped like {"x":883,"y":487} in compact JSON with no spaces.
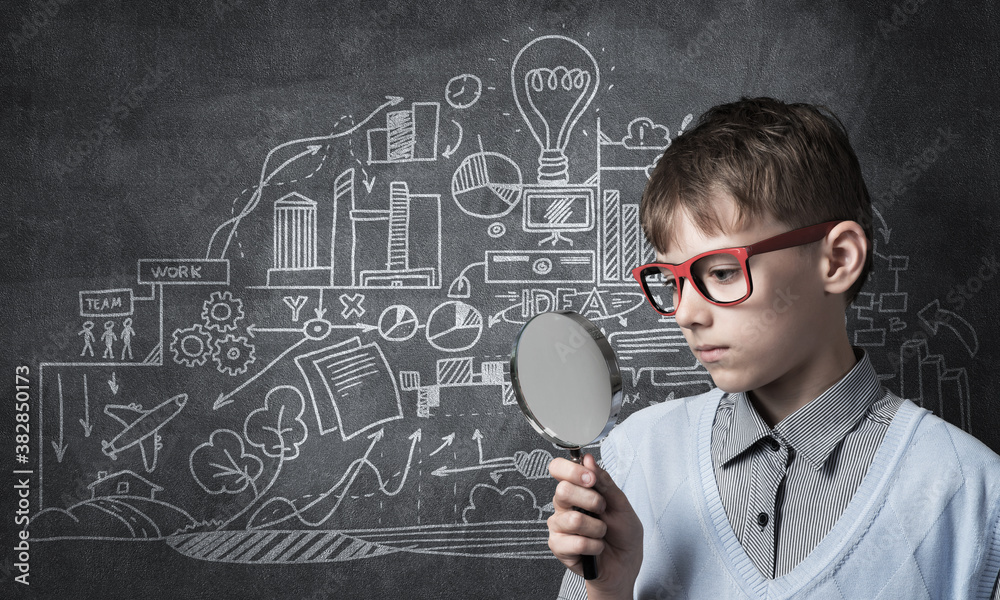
{"x":783,"y":488}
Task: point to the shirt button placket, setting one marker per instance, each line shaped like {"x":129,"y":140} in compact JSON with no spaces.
{"x":770,"y":472}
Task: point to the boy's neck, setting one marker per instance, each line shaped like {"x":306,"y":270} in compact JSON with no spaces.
{"x":803,"y":384}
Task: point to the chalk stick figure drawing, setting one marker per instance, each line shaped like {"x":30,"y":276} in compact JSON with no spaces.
{"x":88,"y":338}
{"x":109,"y":337}
{"x":127,"y":333}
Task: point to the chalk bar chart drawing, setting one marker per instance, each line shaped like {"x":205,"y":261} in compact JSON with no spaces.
{"x":408,"y":263}
{"x":409,"y":135}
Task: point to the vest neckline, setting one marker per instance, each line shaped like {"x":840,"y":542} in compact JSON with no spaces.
{"x":856,"y":516}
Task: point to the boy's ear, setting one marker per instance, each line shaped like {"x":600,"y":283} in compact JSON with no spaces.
{"x":844,"y":252}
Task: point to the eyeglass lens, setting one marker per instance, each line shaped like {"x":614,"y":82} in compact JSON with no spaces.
{"x":720,"y":278}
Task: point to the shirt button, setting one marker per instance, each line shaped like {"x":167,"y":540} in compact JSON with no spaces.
{"x":773,"y":444}
{"x":762,"y":519}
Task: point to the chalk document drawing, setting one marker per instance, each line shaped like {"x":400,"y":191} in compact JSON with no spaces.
{"x":351,"y":386}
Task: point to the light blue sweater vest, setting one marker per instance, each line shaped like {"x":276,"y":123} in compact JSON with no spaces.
{"x":923,"y":523}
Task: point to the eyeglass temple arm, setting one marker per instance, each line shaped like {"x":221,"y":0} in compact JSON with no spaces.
{"x":790,"y":239}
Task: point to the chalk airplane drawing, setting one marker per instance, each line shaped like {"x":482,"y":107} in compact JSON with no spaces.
{"x":142,"y":428}
{"x":153,"y":359}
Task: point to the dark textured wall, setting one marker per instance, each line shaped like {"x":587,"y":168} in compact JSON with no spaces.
{"x":344,"y":426}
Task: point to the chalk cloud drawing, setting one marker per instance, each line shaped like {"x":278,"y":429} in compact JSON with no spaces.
{"x":488,"y":503}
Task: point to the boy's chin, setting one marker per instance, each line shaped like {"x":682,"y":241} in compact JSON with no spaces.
{"x":729,"y":383}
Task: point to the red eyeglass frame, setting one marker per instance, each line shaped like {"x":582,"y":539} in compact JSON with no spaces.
{"x":789,"y":239}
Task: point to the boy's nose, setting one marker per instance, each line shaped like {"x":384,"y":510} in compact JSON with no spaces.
{"x":692,"y":308}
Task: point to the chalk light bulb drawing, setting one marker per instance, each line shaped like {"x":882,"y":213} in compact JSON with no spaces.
{"x":554,"y":79}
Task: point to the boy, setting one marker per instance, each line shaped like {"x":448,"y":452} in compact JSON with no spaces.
{"x":799,"y":476}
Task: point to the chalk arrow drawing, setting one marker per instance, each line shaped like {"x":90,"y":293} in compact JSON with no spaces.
{"x":506,"y":465}
{"x":448,"y":440}
{"x":414,"y":438}
{"x":449,"y":150}
{"x":933,"y":316}
{"x":225,"y":399}
{"x":884,"y":229}
{"x":60,"y":448}
{"x":87,"y":426}
{"x":369,"y":183}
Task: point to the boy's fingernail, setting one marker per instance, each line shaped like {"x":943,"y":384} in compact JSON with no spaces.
{"x":588,"y":478}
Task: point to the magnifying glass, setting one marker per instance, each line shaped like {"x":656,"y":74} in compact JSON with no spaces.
{"x":567,"y":383}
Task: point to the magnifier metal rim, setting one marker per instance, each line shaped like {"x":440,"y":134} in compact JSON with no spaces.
{"x":610,"y":360}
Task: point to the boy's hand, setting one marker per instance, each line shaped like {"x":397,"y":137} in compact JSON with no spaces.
{"x":615,"y":537}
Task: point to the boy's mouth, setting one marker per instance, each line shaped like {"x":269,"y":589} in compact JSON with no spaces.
{"x":709,"y":354}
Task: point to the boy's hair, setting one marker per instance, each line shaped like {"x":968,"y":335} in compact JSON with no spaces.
{"x":792,"y":162}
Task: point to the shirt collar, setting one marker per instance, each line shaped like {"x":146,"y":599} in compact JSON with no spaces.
{"x":814,"y":430}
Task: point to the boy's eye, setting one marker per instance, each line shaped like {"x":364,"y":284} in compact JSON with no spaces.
{"x":666,"y":278}
{"x":725,"y":274}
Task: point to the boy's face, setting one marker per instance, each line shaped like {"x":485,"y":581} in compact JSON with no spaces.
{"x":778,"y":335}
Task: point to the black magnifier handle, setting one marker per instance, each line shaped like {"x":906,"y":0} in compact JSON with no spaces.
{"x":589,"y":561}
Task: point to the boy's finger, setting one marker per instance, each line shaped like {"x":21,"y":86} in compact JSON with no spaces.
{"x":566,"y":470}
{"x":569,"y":548}
{"x":569,"y":496}
{"x":574,"y":522}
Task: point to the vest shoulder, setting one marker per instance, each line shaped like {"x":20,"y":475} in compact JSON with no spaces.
{"x":935,"y":437}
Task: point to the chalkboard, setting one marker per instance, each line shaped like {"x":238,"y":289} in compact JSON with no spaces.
{"x":264,"y":262}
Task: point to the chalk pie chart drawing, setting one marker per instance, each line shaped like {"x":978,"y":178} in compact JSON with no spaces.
{"x":397,"y":323}
{"x":454,"y":326}
{"x":486,"y":185}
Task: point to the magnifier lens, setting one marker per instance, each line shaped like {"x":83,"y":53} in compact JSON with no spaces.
{"x":564,"y":379}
